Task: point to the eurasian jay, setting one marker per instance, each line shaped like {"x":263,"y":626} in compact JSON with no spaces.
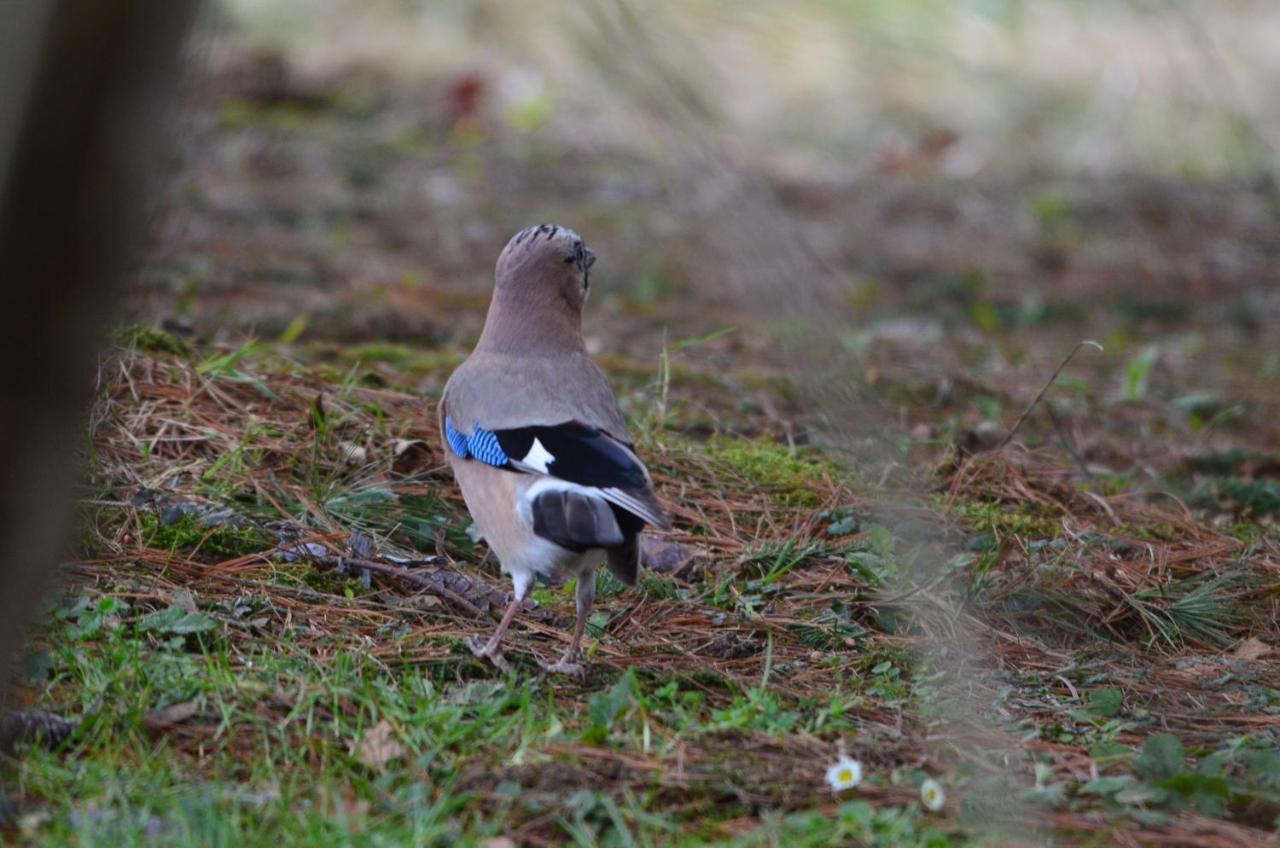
{"x":536,"y":440}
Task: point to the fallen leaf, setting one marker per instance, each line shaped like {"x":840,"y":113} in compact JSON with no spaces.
{"x":354,"y":454}
{"x":665,"y":556}
{"x":1251,"y":650}
{"x":378,"y":746}
{"x":174,"y":713}
{"x":415,"y":602}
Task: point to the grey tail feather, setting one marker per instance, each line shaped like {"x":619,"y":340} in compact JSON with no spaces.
{"x":639,"y":502}
{"x":575,"y":520}
{"x":624,"y":560}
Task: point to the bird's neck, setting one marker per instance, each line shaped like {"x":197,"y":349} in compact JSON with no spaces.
{"x":522,"y":323}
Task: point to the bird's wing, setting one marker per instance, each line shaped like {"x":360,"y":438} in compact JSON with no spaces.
{"x":583,"y":457}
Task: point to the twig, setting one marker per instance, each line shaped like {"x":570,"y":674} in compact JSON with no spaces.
{"x":418,"y":580}
{"x":1045,"y":388}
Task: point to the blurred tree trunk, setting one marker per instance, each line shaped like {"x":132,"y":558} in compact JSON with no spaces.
{"x":83,"y":90}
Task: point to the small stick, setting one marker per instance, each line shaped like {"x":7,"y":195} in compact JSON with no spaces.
{"x":418,"y":580}
{"x":1045,"y":388}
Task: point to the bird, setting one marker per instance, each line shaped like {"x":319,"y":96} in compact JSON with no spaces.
{"x":536,"y":441}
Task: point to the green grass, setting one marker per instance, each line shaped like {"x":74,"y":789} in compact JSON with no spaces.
{"x":272,"y":717}
{"x":278,"y":772}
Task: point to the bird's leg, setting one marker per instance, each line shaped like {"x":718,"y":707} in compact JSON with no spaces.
{"x":490,"y":650}
{"x":585,"y":596}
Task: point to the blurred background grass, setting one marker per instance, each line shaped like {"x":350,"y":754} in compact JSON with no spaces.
{"x":963,"y":190}
{"x":980,"y":87}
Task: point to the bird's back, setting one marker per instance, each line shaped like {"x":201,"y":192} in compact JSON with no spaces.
{"x":504,"y":391}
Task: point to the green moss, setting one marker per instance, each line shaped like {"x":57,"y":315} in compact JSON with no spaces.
{"x":328,"y":373}
{"x":151,"y":339}
{"x":395,"y":354}
{"x":328,"y":582}
{"x":220,"y":542}
{"x":778,"y":469}
{"x":1162,"y":532}
{"x":1004,"y":520}
{"x":1251,"y":497}
{"x":1252,"y":532}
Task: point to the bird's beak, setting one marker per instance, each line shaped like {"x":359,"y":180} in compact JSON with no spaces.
{"x":588,"y":257}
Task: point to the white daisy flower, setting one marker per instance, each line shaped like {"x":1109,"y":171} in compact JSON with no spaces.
{"x":845,"y":773}
{"x":932,"y":796}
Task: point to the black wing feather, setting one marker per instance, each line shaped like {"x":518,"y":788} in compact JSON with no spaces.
{"x":583,"y":455}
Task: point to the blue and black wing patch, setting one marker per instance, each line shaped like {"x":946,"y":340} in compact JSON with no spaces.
{"x":456,"y":439}
{"x":481,"y":444}
{"x":573,"y":452}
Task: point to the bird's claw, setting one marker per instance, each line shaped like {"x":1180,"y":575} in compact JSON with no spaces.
{"x":482,"y":649}
{"x":565,"y":666}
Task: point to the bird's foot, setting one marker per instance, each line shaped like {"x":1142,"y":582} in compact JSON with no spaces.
{"x":565,"y":665}
{"x":485,"y":650}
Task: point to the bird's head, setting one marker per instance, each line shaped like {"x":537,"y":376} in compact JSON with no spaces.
{"x":546,"y":262}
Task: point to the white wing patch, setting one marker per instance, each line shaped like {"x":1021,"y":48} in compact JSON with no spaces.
{"x":538,"y":457}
